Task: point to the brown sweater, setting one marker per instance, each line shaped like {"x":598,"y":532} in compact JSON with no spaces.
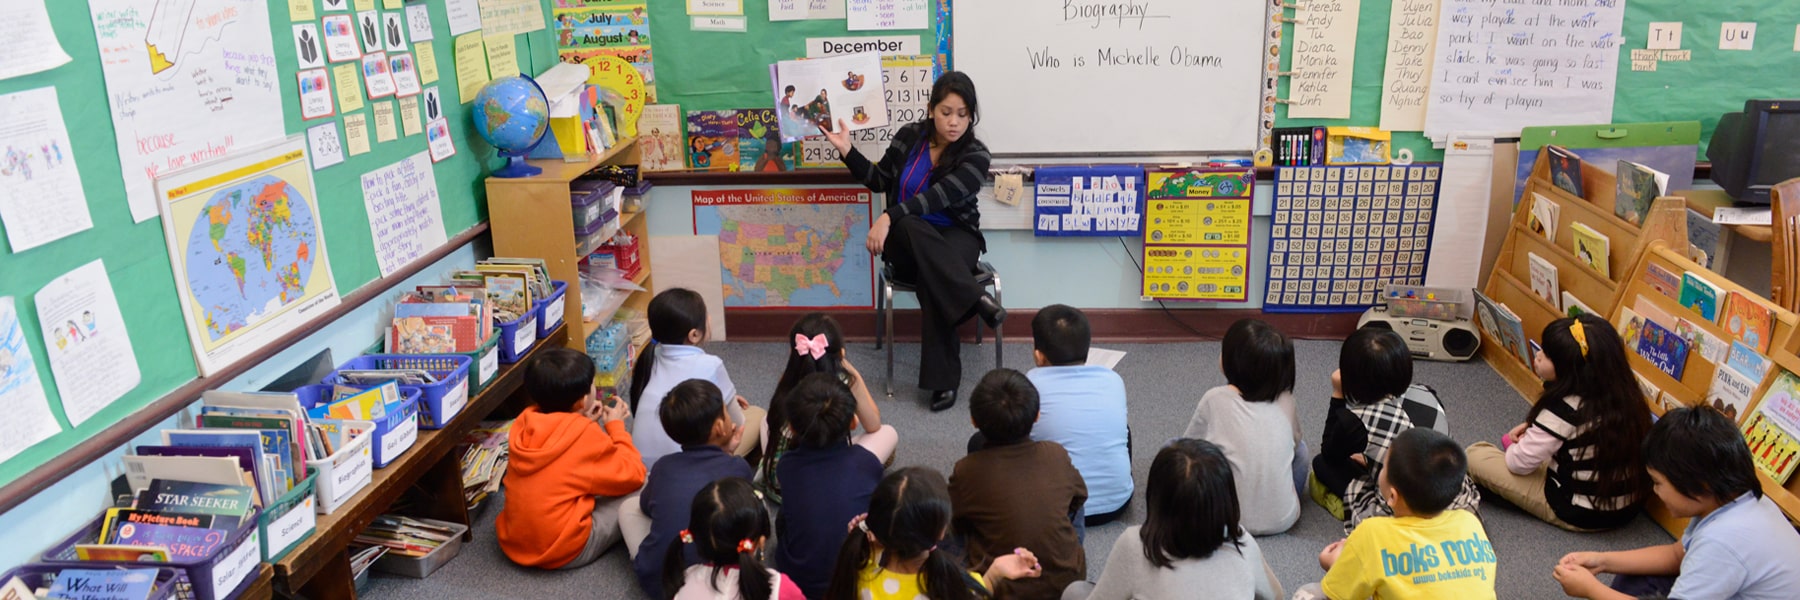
{"x":1020,"y":496}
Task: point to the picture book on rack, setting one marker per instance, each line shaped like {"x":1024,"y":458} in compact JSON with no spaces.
{"x":1662,"y":348}
{"x":1592,"y":248}
{"x":1502,"y":325}
{"x":712,"y":140}
{"x":1543,"y":278}
{"x":1662,"y":280}
{"x":1636,"y":189}
{"x":1711,"y":347}
{"x":660,"y":138}
{"x":1574,"y":307}
{"x":1542,"y":220}
{"x":1772,"y":447}
{"x":1700,"y":296}
{"x":1747,"y":320}
{"x":1565,"y":170}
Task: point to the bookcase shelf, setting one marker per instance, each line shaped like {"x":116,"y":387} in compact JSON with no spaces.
{"x":1509,"y":282}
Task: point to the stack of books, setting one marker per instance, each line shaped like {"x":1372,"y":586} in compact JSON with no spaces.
{"x":172,"y":520}
{"x":513,"y":285}
{"x":351,"y":403}
{"x":484,"y":461}
{"x":441,"y":319}
{"x":257,"y":440}
{"x":405,"y":536}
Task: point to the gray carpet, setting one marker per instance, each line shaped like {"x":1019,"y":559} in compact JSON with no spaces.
{"x":1164,"y":381}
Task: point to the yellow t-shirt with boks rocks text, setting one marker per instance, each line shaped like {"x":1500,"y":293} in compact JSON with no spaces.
{"x":1402,"y":558}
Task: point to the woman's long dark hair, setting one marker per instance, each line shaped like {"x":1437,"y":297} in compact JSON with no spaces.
{"x":908,"y":514}
{"x":798,"y":366}
{"x":1191,"y":504}
{"x":725,"y":514}
{"x":672,"y":314}
{"x":1613,"y":414}
{"x":954,"y":82}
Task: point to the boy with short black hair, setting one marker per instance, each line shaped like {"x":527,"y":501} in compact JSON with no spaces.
{"x":1737,"y":545}
{"x":568,"y":473}
{"x":693,"y":414}
{"x":1017,"y":493}
{"x":1427,"y":549}
{"x":1082,"y":407}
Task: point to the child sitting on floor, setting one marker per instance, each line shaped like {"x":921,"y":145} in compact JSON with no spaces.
{"x":819,"y":348}
{"x":1738,"y":543}
{"x":825,"y":480}
{"x":1251,"y":418}
{"x":728,"y":529}
{"x":677,"y":319}
{"x":568,"y":473}
{"x":694,"y":415}
{"x":1083,"y":409}
{"x":894,"y":551}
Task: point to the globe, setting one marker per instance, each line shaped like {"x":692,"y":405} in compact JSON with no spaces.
{"x":512,"y":114}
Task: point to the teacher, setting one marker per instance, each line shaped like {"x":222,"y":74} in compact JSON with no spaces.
{"x":930,"y":233}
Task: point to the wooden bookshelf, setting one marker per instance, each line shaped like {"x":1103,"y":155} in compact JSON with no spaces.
{"x":531,"y":217}
{"x":1510,"y":281}
{"x":1697,"y":374}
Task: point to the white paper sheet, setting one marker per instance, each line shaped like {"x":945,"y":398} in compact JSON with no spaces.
{"x":31,"y":45}
{"x":866,"y":15}
{"x":1324,"y":60}
{"x":715,"y":7}
{"x":405,"y":215}
{"x":1462,"y":211}
{"x":188,"y":81}
{"x":1105,"y":358}
{"x":692,"y":262}
{"x":797,"y":10}
{"x":326,"y":145}
{"x":308,"y":46}
{"x":393,"y":31}
{"x":41,"y":198}
{"x":28,"y":419}
{"x":1728,"y":215}
{"x":1412,"y":29}
{"x":418,"y":22}
{"x":1664,"y":35}
{"x":464,"y":16}
{"x":84,"y":335}
{"x":1502,"y":67}
{"x":508,"y":17}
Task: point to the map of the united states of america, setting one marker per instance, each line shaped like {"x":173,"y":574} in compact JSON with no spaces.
{"x":778,"y":250}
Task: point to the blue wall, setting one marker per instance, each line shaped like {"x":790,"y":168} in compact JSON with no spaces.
{"x":36,"y":524}
{"x":1090,"y":273}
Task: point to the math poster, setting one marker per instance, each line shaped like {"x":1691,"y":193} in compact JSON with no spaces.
{"x":589,"y":28}
{"x":188,"y":81}
{"x":1340,"y":234}
{"x":1197,"y":234}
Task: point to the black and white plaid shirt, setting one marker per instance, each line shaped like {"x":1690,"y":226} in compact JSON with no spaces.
{"x":1386,"y":420}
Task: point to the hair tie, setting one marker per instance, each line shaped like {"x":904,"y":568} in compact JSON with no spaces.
{"x":1580,"y":332}
{"x":686,"y":537}
{"x":815,"y":346}
{"x":745,"y":546}
{"x":859,"y":522}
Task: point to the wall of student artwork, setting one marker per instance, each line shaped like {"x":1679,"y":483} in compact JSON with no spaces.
{"x":135,"y":254}
{"x":1688,"y":77}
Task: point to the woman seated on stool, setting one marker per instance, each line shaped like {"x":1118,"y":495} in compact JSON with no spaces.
{"x":930,"y":233}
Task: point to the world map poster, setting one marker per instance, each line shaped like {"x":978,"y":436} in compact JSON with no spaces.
{"x":248,"y":250}
{"x":798,"y":248}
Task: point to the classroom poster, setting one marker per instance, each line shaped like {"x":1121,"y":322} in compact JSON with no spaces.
{"x":405,"y":217}
{"x":589,"y":28}
{"x":1558,"y":66}
{"x":1342,"y":233}
{"x":1324,"y":61}
{"x":464,"y":16}
{"x":471,"y":66}
{"x":840,"y":91}
{"x":248,"y":251}
{"x":172,"y":104}
{"x":789,"y":247}
{"x":41,"y":198}
{"x":418,"y":22}
{"x":1412,"y":31}
{"x":28,"y":418}
{"x":1089,"y":201}
{"x":85,"y":339}
{"x":1197,"y":234}
{"x":511,"y":17}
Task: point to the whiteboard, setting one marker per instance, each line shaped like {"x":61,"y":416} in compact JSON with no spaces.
{"x":1120,"y":76}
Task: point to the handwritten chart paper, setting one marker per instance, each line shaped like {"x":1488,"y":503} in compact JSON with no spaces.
{"x":41,"y":199}
{"x":1324,"y":60}
{"x":30,"y":44}
{"x":404,"y":212}
{"x":84,"y":336}
{"x":28,"y":419}
{"x":866,"y":15}
{"x":1519,"y":63}
{"x":799,"y":10}
{"x":187,"y":82}
{"x":508,"y":17}
{"x":1412,"y":27}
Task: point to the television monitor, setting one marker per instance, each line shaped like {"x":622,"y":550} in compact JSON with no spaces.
{"x":1753,"y":150}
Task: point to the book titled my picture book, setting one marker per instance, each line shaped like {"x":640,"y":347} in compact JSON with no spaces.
{"x":1592,"y":248}
{"x":1565,"y":170}
{"x":1636,"y":188}
{"x":1700,"y":296}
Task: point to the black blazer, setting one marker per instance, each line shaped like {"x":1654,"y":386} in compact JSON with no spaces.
{"x":953,"y":186}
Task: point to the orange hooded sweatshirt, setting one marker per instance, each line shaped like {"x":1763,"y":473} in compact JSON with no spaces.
{"x":558,"y":463}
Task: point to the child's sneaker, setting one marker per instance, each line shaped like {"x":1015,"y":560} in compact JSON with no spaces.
{"x":1326,"y":500}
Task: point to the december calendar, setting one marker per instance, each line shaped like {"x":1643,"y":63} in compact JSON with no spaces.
{"x":1341,"y":233}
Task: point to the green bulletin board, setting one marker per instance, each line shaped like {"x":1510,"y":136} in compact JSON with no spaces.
{"x":135,"y":255}
{"x":1714,"y":82}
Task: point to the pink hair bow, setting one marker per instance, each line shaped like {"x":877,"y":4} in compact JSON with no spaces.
{"x":815,"y":346}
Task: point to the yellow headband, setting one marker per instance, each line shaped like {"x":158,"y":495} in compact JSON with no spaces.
{"x":1580,"y":333}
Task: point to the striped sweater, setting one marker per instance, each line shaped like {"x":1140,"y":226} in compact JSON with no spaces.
{"x":952,"y":190}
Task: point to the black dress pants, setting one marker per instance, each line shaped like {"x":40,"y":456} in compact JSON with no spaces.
{"x":939,"y":262}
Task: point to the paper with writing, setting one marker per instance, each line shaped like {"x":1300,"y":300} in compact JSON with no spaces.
{"x":719,"y":23}
{"x":471,"y":66}
{"x":41,"y":196}
{"x":464,"y":15}
{"x":1737,"y":36}
{"x":404,"y":212}
{"x":1502,"y":67}
{"x":377,"y":76}
{"x":86,"y":342}
{"x":185,"y":89}
{"x":349,"y":87}
{"x":405,"y":74}
{"x":410,"y":124}
{"x":340,"y":38}
{"x":1324,"y":62}
{"x":1664,"y":36}
{"x":797,"y":10}
{"x":502,"y":60}
{"x":300,"y":10}
{"x":385,"y":131}
{"x":315,"y":95}
{"x":1412,"y":29}
{"x":865,"y":15}
{"x":425,"y":60}
{"x":437,"y":136}
{"x":715,"y":7}
{"x":418,"y":22}
{"x":508,"y":17}
{"x":356,"y":133}
{"x":31,"y":45}
{"x":28,"y":418}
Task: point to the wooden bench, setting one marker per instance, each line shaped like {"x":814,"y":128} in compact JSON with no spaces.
{"x":319,"y":566}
